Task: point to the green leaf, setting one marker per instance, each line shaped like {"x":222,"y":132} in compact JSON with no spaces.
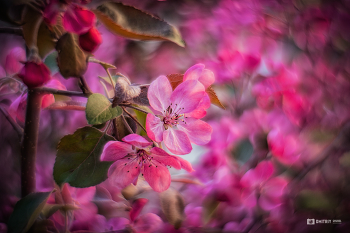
{"x":315,"y":200}
{"x":133,"y":23}
{"x":78,"y":158}
{"x":99,"y":109}
{"x":26,"y":212}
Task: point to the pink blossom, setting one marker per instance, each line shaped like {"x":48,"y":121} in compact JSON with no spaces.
{"x":76,"y":19}
{"x":18,"y":107}
{"x":260,"y":188}
{"x":176,"y":121}
{"x":133,"y":156}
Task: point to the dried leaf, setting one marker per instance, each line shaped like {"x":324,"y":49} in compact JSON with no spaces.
{"x":173,"y":207}
{"x":213,"y":97}
{"x":32,"y":20}
{"x":71,"y":60}
{"x":124,"y":91}
{"x":48,"y":36}
{"x":133,"y":23}
{"x":142,"y":98}
{"x":175,"y":79}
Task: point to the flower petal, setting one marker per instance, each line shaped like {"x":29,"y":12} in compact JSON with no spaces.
{"x":159,"y":93}
{"x":115,"y":150}
{"x":137,"y":206}
{"x":177,"y":141}
{"x":154,"y":127}
{"x":161,"y":156}
{"x":187,"y":96}
{"x":124,"y":172}
{"x":200,"y":112}
{"x":51,"y":12}
{"x":194,"y":72}
{"x":184,"y":164}
{"x":78,"y":20}
{"x":157,"y":175}
{"x":199,"y":132}
{"x":136,"y":140}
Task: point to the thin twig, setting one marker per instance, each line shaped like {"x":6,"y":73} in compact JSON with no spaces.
{"x":14,"y":31}
{"x":46,"y":90}
{"x":15,"y":126}
{"x":132,"y":117}
{"x":110,"y":78}
{"x":84,"y":86}
{"x":136,"y":108}
{"x":126,"y":124}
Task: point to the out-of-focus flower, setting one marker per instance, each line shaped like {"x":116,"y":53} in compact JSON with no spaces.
{"x":133,"y":157}
{"x":90,"y":40}
{"x":34,"y":74}
{"x":171,"y":123}
{"x":84,"y":212}
{"x":18,"y":107}
{"x":76,"y":19}
{"x":259,"y":187}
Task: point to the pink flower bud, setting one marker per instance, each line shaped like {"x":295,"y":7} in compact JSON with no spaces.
{"x":34,"y":74}
{"x":90,"y":40}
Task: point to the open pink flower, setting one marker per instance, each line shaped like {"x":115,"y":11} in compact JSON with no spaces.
{"x":176,"y":121}
{"x":133,"y":156}
{"x":76,"y":19}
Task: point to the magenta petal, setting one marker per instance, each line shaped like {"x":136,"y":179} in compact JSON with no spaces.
{"x":148,"y":223}
{"x":200,"y":112}
{"x":137,"y":207}
{"x":161,"y":156}
{"x":249,"y":198}
{"x":187,"y":96}
{"x":154,"y":127}
{"x":78,"y":20}
{"x":184,"y":164}
{"x":54,"y":83}
{"x":263,"y":171}
{"x":199,"y":132}
{"x":177,"y":141}
{"x":115,"y":150}
{"x":194,"y":72}
{"x":83,"y":195}
{"x":157,"y":175}
{"x":51,"y":12}
{"x":124,"y":172}
{"x":249,"y":179}
{"x":207,"y":78}
{"x":159,"y":93}
{"x":137,"y":140}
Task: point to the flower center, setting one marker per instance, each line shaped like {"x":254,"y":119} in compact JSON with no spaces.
{"x":173,"y":116}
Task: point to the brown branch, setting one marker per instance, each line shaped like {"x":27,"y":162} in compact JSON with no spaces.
{"x":126,"y":124}
{"x":46,"y":90}
{"x":30,"y":141}
{"x":84,"y":86}
{"x":13,"y":31}
{"x":15,"y":126}
{"x":133,"y":107}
